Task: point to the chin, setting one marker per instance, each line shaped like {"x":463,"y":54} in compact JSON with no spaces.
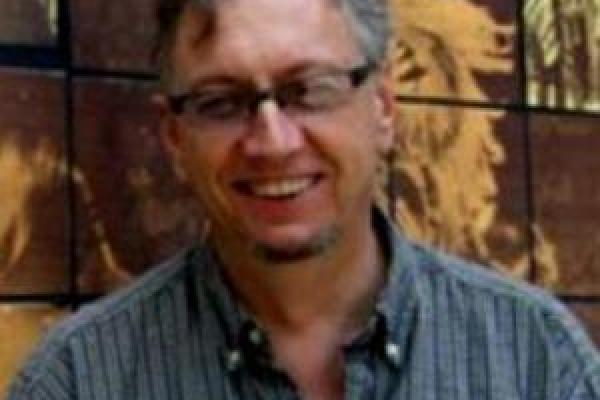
{"x":296,"y":250}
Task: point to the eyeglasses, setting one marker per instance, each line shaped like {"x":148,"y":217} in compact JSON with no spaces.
{"x":228,"y":105}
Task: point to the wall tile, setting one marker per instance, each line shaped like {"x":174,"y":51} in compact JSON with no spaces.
{"x":113,"y":35}
{"x":563,"y":57}
{"x":132,"y":211}
{"x":33,"y":204}
{"x":28,"y":22}
{"x":459,"y":176}
{"x":567,"y":196}
{"x":457,"y":49}
{"x":20,"y":330}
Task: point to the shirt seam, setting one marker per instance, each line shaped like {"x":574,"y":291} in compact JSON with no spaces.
{"x":585,"y":378}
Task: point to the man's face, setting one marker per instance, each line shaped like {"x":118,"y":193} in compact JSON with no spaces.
{"x":282,"y":182}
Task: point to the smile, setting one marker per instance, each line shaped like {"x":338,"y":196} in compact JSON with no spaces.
{"x":283,"y":188}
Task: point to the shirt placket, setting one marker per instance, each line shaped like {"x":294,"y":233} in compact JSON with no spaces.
{"x":359,"y":381}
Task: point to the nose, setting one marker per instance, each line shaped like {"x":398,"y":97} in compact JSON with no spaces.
{"x":272,"y":133}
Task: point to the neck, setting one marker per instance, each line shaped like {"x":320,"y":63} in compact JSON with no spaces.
{"x":337,"y":289}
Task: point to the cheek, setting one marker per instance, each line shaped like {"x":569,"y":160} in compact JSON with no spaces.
{"x":196,"y":162}
{"x":207,"y":165}
{"x":352,"y":144}
{"x":360,"y":142}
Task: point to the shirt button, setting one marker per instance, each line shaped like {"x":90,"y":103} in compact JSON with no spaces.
{"x":233,"y":360}
{"x":392,"y":351}
{"x":255,"y":337}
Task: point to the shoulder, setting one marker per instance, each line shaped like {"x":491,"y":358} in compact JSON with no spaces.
{"x":51,"y":367}
{"x":160,"y":278}
{"x":435,"y":264}
{"x":480,"y":282}
{"x":523,"y":320}
{"x":475,"y":285}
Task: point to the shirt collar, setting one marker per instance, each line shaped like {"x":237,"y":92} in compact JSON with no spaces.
{"x":394,"y":314}
{"x":397,"y":304}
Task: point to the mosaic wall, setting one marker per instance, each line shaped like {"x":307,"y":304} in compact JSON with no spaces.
{"x":495,"y":156}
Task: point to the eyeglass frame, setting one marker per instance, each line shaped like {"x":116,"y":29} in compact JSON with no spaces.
{"x":253,"y":97}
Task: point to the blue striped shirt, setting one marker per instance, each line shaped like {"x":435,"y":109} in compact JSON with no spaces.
{"x":441,"y":330}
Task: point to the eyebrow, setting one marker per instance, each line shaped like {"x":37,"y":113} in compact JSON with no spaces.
{"x":220,"y":79}
{"x":281,"y":75}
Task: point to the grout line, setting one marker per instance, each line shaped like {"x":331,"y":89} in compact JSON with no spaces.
{"x":511,"y":107}
{"x":584,"y":299}
{"x":64,"y":42}
{"x":60,"y":300}
{"x":527,"y":140}
{"x":29,"y":56}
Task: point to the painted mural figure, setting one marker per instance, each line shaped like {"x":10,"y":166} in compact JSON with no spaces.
{"x":277,"y":114}
{"x":446,"y":160}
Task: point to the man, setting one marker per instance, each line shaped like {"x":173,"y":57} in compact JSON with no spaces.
{"x":275,"y":112}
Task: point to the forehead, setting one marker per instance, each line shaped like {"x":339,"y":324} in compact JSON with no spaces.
{"x":253,"y":38}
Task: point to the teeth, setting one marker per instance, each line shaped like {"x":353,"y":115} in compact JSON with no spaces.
{"x":281,"y":188}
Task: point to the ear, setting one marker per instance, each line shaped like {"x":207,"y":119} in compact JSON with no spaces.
{"x":170,"y":135}
{"x":385,"y":109}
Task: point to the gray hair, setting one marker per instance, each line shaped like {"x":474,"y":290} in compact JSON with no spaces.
{"x":370,"y":20}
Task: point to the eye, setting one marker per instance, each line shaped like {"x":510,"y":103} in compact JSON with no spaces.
{"x":315,"y":92}
{"x":215,"y":105}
